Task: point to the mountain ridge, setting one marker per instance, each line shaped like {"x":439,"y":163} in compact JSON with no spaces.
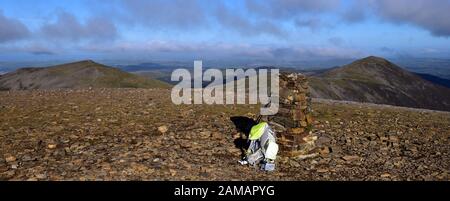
{"x":79,"y":74}
{"x":377,"y":80}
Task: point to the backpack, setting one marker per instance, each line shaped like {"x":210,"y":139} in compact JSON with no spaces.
{"x":263,"y":147}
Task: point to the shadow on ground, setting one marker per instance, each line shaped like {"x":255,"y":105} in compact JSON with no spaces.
{"x":243,"y":125}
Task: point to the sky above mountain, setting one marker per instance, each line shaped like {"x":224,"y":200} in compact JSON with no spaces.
{"x":233,"y":29}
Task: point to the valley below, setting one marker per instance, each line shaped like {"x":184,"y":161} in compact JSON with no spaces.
{"x":139,"y":134}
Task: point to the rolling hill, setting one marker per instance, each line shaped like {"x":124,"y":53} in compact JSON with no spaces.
{"x":377,"y":80}
{"x":80,"y":74}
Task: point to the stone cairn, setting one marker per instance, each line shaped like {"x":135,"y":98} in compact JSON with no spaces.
{"x":293,"y":122}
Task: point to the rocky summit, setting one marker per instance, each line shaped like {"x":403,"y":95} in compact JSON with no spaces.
{"x":138,"y":134}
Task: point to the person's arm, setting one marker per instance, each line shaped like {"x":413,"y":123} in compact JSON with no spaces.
{"x":250,"y":150}
{"x":251,"y":147}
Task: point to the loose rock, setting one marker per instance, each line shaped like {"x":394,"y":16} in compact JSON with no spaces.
{"x":163,"y":129}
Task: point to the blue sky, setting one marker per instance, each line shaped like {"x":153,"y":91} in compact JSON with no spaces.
{"x":286,"y":30}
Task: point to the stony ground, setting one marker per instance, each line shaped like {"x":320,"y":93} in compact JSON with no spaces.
{"x":133,"y":134}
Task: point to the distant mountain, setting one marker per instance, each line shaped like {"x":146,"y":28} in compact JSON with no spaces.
{"x":377,"y":80}
{"x":80,"y":74}
{"x":155,"y":66}
{"x":433,"y":66}
{"x":145,"y":67}
{"x":435,"y":79}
